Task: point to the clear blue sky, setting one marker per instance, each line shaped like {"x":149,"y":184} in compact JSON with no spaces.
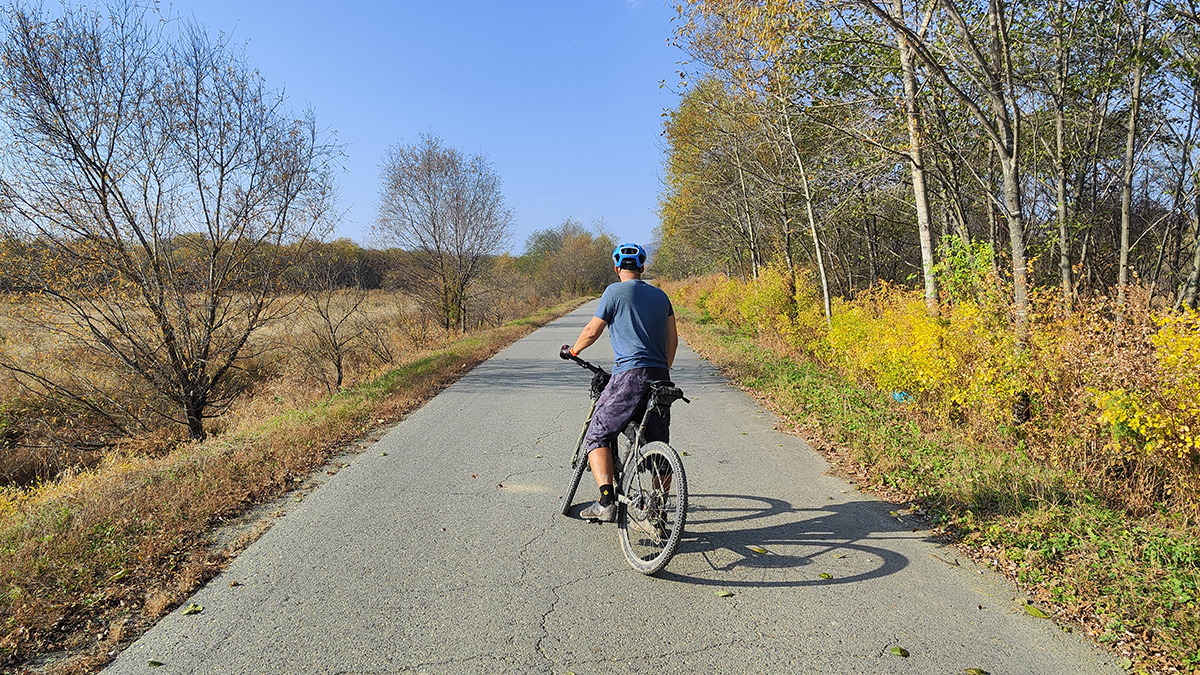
{"x":562,"y":95}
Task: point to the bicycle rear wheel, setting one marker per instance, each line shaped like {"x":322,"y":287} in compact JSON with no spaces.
{"x":653,"y":508}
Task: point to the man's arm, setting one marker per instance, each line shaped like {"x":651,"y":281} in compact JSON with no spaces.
{"x":672,"y":340}
{"x":591,"y":332}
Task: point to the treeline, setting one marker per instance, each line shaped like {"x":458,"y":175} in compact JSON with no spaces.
{"x":164,"y":226}
{"x":564,"y":261}
{"x":870,"y":141}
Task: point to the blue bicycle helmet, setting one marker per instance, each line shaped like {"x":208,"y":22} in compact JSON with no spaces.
{"x":629,"y":256}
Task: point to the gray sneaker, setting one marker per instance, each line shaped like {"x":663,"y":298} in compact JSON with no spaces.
{"x":605,"y":514}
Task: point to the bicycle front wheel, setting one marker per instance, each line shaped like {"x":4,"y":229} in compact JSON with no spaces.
{"x":581,"y":465}
{"x":653,"y":507}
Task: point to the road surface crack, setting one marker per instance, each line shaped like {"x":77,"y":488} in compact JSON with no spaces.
{"x":539,"y":646}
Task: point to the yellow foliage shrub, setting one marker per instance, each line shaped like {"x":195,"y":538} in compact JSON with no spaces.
{"x":1162,"y":424}
{"x":1087,"y":376}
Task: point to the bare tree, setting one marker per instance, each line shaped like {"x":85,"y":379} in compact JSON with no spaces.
{"x":166,"y":186}
{"x":448,"y":211}
{"x":333,"y":298}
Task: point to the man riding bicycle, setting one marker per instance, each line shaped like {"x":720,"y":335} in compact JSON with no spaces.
{"x":644,"y":339}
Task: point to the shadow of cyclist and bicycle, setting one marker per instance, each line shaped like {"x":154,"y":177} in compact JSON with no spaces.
{"x":838,"y":536}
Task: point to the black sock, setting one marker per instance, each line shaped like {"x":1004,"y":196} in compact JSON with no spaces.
{"x":606,"y":494}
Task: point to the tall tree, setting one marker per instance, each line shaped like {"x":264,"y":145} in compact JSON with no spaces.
{"x":447,"y":209}
{"x":1138,"y":69}
{"x":983,"y":79}
{"x":167,"y":186}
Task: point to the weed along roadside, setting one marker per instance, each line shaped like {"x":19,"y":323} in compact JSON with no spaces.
{"x":91,"y":560}
{"x":1126,"y":580}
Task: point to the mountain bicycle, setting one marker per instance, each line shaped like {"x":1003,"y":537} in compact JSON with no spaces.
{"x":650,"y":485}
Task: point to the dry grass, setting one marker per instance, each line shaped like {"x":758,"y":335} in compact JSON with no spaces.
{"x":45,"y":435}
{"x":91,"y":559}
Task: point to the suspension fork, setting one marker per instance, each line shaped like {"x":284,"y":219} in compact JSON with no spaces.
{"x":582,"y":433}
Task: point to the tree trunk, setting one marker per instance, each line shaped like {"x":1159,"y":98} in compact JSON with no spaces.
{"x":787,"y":248}
{"x":751,"y":235}
{"x":194,"y":411}
{"x":1064,"y":242}
{"x":869,"y":225}
{"x":1060,"y":162}
{"x":993,"y":214}
{"x":920,"y":193}
{"x":812,"y":225}
{"x":1189,"y":292}
{"x":1016,"y":238}
{"x":812,"y":221}
{"x":1127,"y":168}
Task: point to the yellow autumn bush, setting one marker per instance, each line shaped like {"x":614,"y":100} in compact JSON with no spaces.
{"x":1121,"y":398}
{"x":1162,"y":424}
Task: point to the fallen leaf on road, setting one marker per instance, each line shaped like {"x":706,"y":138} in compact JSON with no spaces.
{"x":825,"y":575}
{"x":193,"y":609}
{"x":537,"y":456}
{"x":383,"y":454}
{"x":155,"y":664}
{"x":976,"y":671}
{"x":234,"y":583}
{"x":758,"y":549}
{"x":1033,"y":611}
{"x":724,"y":593}
{"x":899,"y":651}
{"x":840,"y":555}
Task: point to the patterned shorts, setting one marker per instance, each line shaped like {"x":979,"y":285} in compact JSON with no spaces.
{"x":622,"y":402}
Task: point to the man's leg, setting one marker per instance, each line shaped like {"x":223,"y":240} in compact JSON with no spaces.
{"x":601,"y":462}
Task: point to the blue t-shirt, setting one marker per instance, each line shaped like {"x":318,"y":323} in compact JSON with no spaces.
{"x":636,"y":314}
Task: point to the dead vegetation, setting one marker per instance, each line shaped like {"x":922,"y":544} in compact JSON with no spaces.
{"x":93,"y":557}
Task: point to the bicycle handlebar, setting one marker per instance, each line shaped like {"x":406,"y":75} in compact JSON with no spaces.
{"x":583,"y":363}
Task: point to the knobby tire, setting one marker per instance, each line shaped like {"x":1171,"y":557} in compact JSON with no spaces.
{"x":581,"y":464}
{"x":651,"y":524}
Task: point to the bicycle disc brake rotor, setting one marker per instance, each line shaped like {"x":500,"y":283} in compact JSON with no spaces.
{"x":645,"y":510}
{"x":638,"y":504}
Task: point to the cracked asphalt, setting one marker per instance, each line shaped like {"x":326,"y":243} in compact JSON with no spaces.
{"x":448,"y":555}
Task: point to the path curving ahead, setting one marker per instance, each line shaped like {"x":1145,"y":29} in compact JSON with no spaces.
{"x":447,"y":555}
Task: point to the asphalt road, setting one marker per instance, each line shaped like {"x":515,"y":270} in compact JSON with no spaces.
{"x":448,"y":555}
